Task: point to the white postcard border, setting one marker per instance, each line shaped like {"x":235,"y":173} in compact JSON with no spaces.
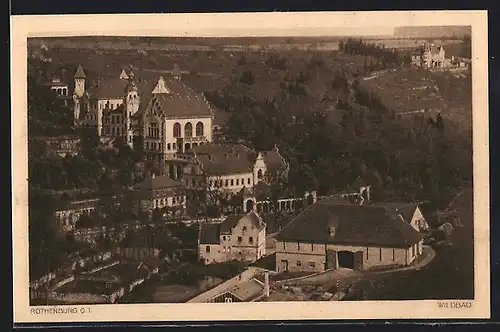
{"x":246,"y":24}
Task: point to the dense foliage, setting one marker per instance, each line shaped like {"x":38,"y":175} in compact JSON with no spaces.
{"x":406,"y":158}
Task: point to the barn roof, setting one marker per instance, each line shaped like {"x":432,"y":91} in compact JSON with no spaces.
{"x":353,"y":225}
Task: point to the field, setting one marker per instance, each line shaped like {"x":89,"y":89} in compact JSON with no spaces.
{"x":409,"y":90}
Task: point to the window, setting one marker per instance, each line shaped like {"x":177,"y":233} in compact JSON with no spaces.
{"x":259,"y":174}
{"x":227,"y":183}
{"x":177,"y":130}
{"x":250,"y":240}
{"x":232,"y":182}
{"x":393,"y":255}
{"x":299,"y":263}
{"x":312,"y":265}
{"x":224,"y":238}
{"x":240,"y":239}
{"x":228,"y":300}
{"x":298,"y":245}
{"x":153,"y":130}
{"x":380,"y":254}
{"x":199,"y":129}
{"x":312,"y":246}
{"x":244,"y":228}
{"x":248,"y":181}
{"x":188,"y":130}
{"x":208,"y":248}
{"x":237,"y":182}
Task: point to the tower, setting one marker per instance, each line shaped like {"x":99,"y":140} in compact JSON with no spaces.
{"x":76,"y":108}
{"x":79,"y":82}
{"x":131,"y":107}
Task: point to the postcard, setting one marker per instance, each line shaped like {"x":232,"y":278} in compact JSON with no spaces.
{"x":250,"y":166}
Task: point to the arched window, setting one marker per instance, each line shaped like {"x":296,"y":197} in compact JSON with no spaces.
{"x":59,"y":92}
{"x":259,"y":174}
{"x":177,"y":130}
{"x":188,"y":130}
{"x":65,"y":91}
{"x":199,"y":129}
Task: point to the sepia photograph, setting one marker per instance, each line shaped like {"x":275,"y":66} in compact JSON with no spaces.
{"x":335,"y":168}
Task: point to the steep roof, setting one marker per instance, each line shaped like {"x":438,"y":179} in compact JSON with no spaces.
{"x":159,"y":182}
{"x":209,"y":233}
{"x":219,"y":159}
{"x":273,"y":159}
{"x":233,"y":220}
{"x":79,"y":72}
{"x":352,"y":224}
{"x":180,"y":101}
{"x":109,"y":88}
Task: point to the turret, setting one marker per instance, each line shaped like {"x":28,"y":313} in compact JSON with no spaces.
{"x":79,"y":82}
{"x":131,"y":107}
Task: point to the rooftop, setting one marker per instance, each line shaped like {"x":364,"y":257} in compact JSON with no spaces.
{"x":210,"y":233}
{"x":159,"y":182}
{"x":328,"y":222}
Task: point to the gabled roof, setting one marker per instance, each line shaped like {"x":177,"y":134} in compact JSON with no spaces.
{"x":406,"y":210}
{"x":273,"y":159}
{"x":180,"y":101}
{"x":220,"y":159}
{"x":231,"y":221}
{"x":209,"y":233}
{"x":159,"y":182}
{"x":353,"y":225}
{"x":109,"y":88}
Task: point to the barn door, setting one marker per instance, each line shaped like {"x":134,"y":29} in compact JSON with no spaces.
{"x":358,"y":260}
{"x":331,"y":259}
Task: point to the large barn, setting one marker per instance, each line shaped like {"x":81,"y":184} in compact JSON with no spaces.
{"x":330,"y":235}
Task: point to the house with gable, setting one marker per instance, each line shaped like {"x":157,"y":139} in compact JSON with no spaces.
{"x":232,"y":169}
{"x":239,"y":237}
{"x":157,"y":192}
{"x":410,"y":213}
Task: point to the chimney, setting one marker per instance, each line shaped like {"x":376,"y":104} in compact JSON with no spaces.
{"x":266,"y":283}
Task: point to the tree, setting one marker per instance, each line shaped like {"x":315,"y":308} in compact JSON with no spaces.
{"x":439,"y":123}
{"x":47,"y":246}
{"x":247,"y":77}
{"x":47,"y":114}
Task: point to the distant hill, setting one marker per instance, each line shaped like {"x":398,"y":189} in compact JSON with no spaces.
{"x":432,"y":32}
